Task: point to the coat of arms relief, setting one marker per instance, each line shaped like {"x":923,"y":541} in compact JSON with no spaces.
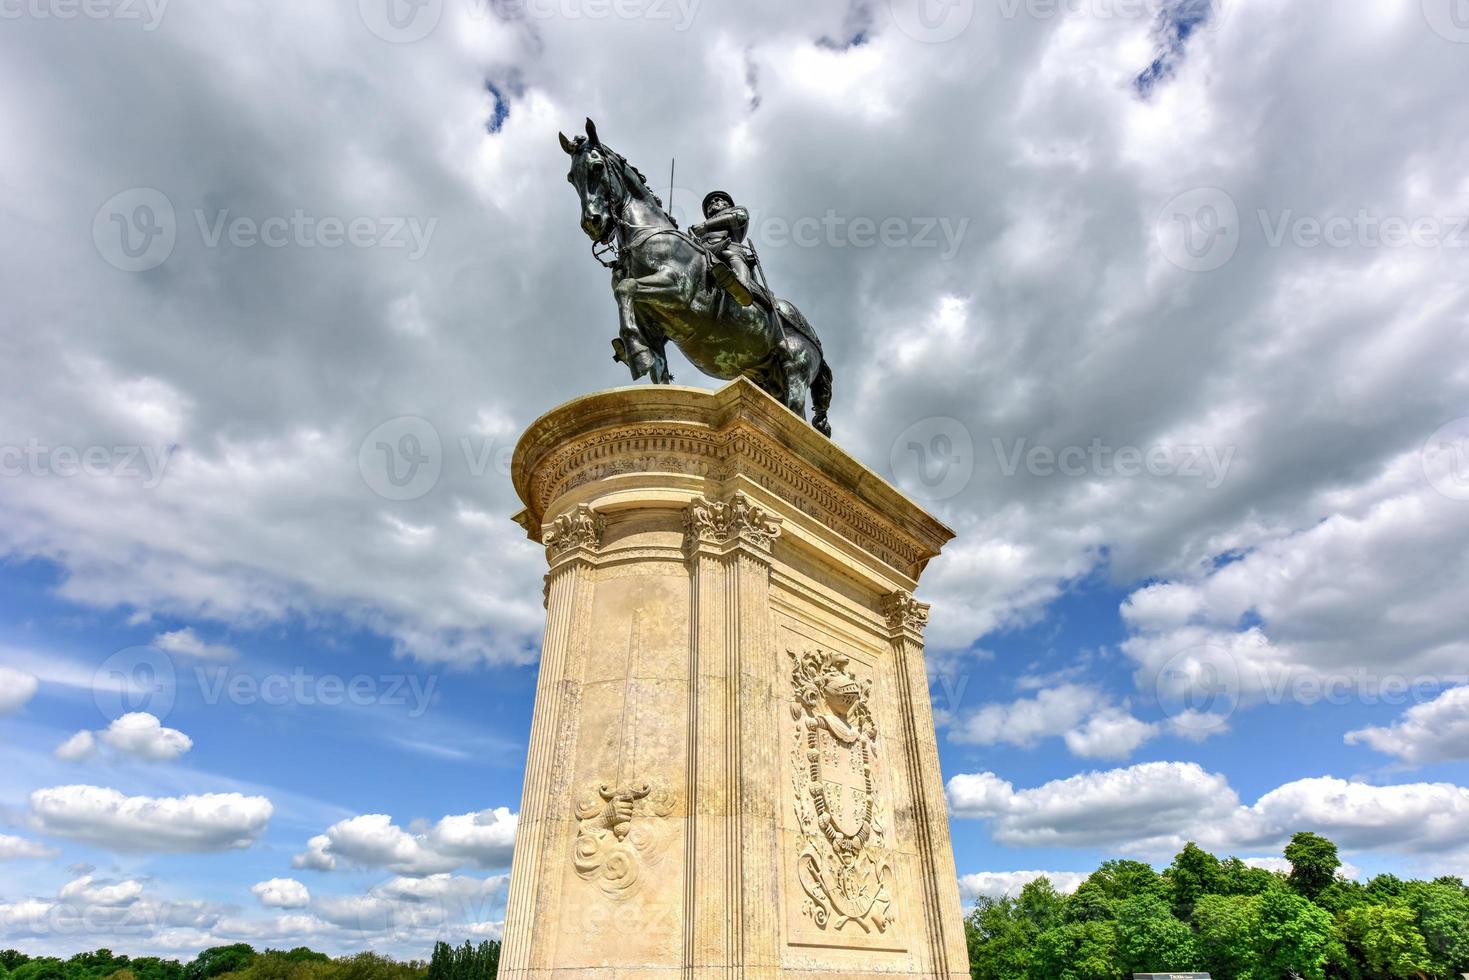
{"x":845,"y":866}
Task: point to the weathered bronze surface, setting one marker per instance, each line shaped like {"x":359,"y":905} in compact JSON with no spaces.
{"x":698,"y":288}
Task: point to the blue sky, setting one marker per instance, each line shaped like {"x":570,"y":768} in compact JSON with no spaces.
{"x":1171,"y":305}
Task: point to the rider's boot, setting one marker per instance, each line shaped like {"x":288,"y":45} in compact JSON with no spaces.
{"x":730,"y":282}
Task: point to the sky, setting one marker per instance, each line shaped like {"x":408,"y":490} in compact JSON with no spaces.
{"x":1161,"y":304}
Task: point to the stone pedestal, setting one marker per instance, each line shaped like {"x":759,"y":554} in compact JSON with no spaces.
{"x":732,"y":769}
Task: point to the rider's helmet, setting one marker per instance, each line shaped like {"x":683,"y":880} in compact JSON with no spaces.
{"x":710,"y":198}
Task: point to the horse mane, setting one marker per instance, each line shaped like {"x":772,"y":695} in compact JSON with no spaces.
{"x":637,"y":182}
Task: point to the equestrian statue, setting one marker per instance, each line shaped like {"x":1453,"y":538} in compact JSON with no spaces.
{"x":703,"y":288}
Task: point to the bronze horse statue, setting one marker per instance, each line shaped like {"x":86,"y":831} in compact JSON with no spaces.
{"x":662,"y":280}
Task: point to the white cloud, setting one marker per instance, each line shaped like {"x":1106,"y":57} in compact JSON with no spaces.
{"x":1093,"y":726}
{"x":1437,"y":731}
{"x":1007,"y":884}
{"x":80,"y":746}
{"x":86,"y":890}
{"x":14,"y":848}
{"x":1112,"y":733}
{"x":16,"y":688}
{"x":484,"y":839}
{"x":141,"y":734}
{"x":187,"y":643}
{"x":137,"y":733}
{"x":1154,"y":808}
{"x":281,"y":893}
{"x":316,"y":857}
{"x":107,"y":818}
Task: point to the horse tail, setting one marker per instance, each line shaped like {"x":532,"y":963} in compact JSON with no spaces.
{"x":821,"y":399}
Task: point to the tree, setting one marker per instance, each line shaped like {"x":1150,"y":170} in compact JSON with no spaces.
{"x":1040,"y":906}
{"x":1295,"y":936}
{"x":1238,"y":878}
{"x":219,"y":959}
{"x":1078,"y":951}
{"x":1385,"y":939}
{"x":1115,"y":881}
{"x":1193,"y":874}
{"x":1443,"y":920}
{"x":999,"y":945}
{"x":1228,"y":927}
{"x":1151,"y":940}
{"x":1313,"y":863}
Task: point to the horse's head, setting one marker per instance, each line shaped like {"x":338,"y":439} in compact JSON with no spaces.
{"x":593,"y":175}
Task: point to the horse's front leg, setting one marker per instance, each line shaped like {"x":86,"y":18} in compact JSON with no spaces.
{"x":640,"y":355}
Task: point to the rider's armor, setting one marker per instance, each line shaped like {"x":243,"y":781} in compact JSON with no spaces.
{"x":724,"y":232}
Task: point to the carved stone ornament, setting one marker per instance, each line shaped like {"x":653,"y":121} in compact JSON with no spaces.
{"x":845,"y":865}
{"x":716,"y":522}
{"x":621,"y":833}
{"x":581,"y":528}
{"x":902,"y":610}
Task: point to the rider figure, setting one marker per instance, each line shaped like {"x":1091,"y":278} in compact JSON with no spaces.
{"x":723,"y":230}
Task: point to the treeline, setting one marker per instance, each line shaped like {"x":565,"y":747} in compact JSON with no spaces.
{"x":241,"y":961}
{"x":1235,"y":922}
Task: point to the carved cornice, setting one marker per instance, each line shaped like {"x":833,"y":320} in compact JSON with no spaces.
{"x":738,"y":518}
{"x":581,"y":528}
{"x":699,"y":437}
{"x":905,"y":612}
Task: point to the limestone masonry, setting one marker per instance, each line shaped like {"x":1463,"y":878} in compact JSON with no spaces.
{"x":732,"y":768}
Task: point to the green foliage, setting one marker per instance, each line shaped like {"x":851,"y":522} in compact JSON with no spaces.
{"x":219,"y":960}
{"x":467,"y":962}
{"x":12,"y":958}
{"x":998,"y":937}
{"x":1384,"y":939}
{"x":1194,"y":873}
{"x":1227,"y":928}
{"x":1078,"y":951}
{"x":1442,"y":909}
{"x":1295,"y":936}
{"x":1313,"y":864}
{"x":1151,"y":940}
{"x":1243,"y":923}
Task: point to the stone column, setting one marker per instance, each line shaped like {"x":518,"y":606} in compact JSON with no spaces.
{"x":732,"y":770}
